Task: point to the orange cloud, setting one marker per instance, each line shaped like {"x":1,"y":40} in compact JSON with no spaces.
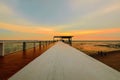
{"x":78,"y":34}
{"x":27,"y":29}
{"x":95,"y":34}
{"x":102,"y":31}
{"x":42,"y":29}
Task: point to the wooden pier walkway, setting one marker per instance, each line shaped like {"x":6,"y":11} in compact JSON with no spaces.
{"x":63,"y":62}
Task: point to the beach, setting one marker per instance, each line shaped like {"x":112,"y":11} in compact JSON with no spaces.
{"x":101,"y":51}
{"x":112,"y":59}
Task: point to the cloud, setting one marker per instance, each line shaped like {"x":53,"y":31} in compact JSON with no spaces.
{"x":49,"y":32}
{"x":76,"y":4}
{"x":92,"y":32}
{"x":10,"y":15}
{"x":27,"y":29}
{"x":103,"y":34}
{"x":93,"y":18}
{"x":111,"y":8}
{"x":104,"y":10}
{"x":5,"y":9}
{"x":41,"y":29}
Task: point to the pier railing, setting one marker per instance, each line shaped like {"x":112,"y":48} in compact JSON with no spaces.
{"x":23,"y":44}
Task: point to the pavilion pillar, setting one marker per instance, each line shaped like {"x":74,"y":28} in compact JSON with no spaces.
{"x":70,"y":41}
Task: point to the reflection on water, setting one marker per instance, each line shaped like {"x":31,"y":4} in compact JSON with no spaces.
{"x":92,"y":47}
{"x":13,"y":47}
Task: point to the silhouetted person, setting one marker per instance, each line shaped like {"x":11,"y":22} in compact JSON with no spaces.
{"x":100,"y":53}
{"x":63,"y":41}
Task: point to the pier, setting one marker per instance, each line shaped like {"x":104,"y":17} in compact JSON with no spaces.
{"x":63,"y":62}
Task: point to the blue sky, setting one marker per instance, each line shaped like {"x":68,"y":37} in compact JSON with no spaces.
{"x":42,"y":19}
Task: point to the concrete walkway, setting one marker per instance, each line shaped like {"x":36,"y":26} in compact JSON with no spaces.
{"x":62,"y":62}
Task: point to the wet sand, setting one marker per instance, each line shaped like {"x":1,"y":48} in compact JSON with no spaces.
{"x":112,"y":59}
{"x":12,"y":63}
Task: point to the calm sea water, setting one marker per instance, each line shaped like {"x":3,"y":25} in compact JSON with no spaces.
{"x":13,"y":47}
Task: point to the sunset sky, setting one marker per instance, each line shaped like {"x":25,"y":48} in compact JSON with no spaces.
{"x":42,"y":19}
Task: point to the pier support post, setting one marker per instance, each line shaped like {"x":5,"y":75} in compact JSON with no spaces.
{"x":1,"y":49}
{"x":24,"y":46}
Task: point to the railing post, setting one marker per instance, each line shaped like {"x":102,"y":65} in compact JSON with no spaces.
{"x":46,"y":43}
{"x":1,"y":49}
{"x":24,"y":46}
{"x":43,"y":43}
{"x":39,"y":44}
{"x":34,"y":44}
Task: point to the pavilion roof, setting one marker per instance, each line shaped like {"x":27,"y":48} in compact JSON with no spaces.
{"x":63,"y":36}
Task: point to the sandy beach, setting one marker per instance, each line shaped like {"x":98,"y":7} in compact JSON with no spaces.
{"x":110,"y":57}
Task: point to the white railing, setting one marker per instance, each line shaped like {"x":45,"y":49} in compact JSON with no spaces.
{"x":23,"y":43}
